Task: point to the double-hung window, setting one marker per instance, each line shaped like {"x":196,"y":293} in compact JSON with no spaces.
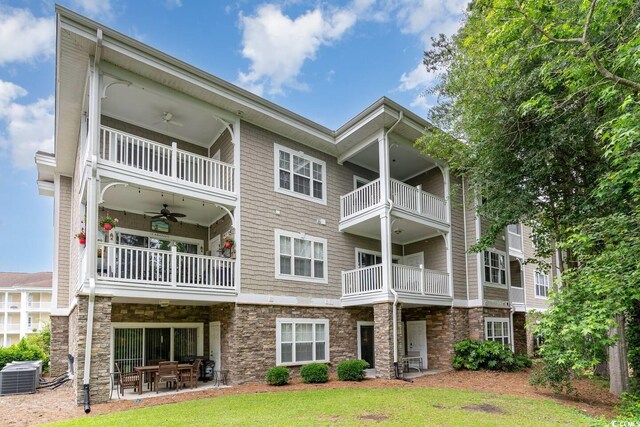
{"x":300,"y":341}
{"x":497,"y":329}
{"x":495,"y":269}
{"x":299,"y":175}
{"x":300,"y":257}
{"x":541,"y":282}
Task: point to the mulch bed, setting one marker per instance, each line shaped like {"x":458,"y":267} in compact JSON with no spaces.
{"x":48,"y":406}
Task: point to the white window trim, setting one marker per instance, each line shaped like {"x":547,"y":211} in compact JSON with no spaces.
{"x":488,"y":320}
{"x":280,"y":321}
{"x":375,"y":253}
{"x":172,"y":325}
{"x":294,"y":235}
{"x":357,"y":178}
{"x":506,"y":265}
{"x":535,"y":284}
{"x":276,"y":174}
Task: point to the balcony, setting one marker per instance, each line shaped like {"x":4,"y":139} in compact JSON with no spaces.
{"x":517,"y":295}
{"x":405,"y":198}
{"x":12,"y":328}
{"x":406,"y":280}
{"x":165,"y":163}
{"x":38,"y":305}
{"x":161,"y":269}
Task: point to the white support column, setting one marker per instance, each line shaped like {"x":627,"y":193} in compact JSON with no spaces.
{"x":507,"y":261}
{"x":92,"y":227}
{"x":385,"y":216}
{"x":23,"y":313}
{"x":93,"y":135}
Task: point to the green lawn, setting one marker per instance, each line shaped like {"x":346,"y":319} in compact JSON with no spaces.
{"x":393,"y":406}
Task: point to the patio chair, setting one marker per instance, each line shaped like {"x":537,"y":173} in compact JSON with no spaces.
{"x":128,"y":380}
{"x":191,"y":377}
{"x":168,"y":372}
{"x":150,"y":377}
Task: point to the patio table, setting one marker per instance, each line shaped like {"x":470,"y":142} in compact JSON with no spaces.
{"x":153,"y":369}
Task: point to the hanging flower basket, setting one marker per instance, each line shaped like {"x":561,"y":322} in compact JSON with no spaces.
{"x":228,"y":243}
{"x":108,"y":222}
{"x":82,"y":237}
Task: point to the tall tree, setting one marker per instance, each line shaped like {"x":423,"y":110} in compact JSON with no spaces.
{"x":539,"y":105}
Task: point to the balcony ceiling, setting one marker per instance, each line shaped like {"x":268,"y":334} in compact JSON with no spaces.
{"x":140,"y":200}
{"x":406,"y":161}
{"x":145,"y":107}
{"x":403,"y":231}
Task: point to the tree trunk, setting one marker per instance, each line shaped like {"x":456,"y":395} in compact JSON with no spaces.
{"x":618,"y":365}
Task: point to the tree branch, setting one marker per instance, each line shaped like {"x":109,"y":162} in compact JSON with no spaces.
{"x":584,"y":42}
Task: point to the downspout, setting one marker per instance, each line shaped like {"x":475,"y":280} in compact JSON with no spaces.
{"x":92,"y":282}
{"x":393,"y":291}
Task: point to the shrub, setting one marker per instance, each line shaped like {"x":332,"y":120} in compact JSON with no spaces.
{"x":278,"y":375}
{"x":494,"y":356}
{"x":22,"y":351}
{"x":352,"y":370}
{"x":315,"y":373}
{"x":629,"y":408}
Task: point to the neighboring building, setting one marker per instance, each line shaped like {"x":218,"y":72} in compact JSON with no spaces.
{"x":25,"y":305}
{"x":330,"y":230}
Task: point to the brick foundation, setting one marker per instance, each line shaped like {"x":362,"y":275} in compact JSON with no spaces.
{"x":59,"y":345}
{"x":520,"y":333}
{"x":383,"y":331}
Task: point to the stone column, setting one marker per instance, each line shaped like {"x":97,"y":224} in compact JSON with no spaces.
{"x":59,"y":345}
{"x":383,"y":338}
{"x":100,"y":349}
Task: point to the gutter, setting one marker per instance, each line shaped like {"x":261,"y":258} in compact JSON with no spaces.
{"x":393,"y":291}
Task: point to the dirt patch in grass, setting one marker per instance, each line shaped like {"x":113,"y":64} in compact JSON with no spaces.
{"x":373,"y":417}
{"x":47,"y":406}
{"x":484,"y":407}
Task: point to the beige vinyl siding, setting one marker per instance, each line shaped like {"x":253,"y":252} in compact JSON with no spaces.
{"x":496,"y":294}
{"x":458,"y":241}
{"x":67,"y":245}
{"x":264,"y":210}
{"x":434,"y":250}
{"x":224,"y":143}
{"x":529,"y":270}
{"x":472,"y":257}
{"x":432,"y":181}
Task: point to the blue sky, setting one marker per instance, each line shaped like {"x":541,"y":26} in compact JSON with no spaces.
{"x":325,"y":60}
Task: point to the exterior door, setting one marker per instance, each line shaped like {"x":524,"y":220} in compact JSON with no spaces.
{"x":414,"y":260}
{"x":366,"y":347}
{"x":214,"y":343}
{"x":417,"y":339}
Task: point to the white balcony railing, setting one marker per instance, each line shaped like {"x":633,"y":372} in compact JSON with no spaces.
{"x":405,"y":279}
{"x":165,"y":161}
{"x":417,"y":201}
{"x":360,"y":200}
{"x":416,"y":280}
{"x":403,"y":196}
{"x":517,"y":295}
{"x":362,"y":280}
{"x":13,"y":327}
{"x":120,"y":263}
{"x":38,"y":305}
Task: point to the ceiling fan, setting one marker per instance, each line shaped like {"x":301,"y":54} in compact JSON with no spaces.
{"x":165,"y":213}
{"x":167,"y":119}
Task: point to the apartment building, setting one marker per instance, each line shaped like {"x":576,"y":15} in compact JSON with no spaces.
{"x":25,"y":305}
{"x":251,"y":235}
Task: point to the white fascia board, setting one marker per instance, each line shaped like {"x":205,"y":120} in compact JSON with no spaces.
{"x":46,"y":188}
{"x":264,"y":299}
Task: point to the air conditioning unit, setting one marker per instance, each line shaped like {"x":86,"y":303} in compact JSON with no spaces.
{"x":18,"y":379}
{"x":31,"y":363}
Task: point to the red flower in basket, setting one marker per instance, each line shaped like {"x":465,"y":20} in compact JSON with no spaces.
{"x":82,"y":237}
{"x":108,"y":222}
{"x":228,"y":243}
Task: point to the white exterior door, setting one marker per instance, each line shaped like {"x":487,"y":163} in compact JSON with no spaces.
{"x":417,"y":339}
{"x":414,"y":260}
{"x":214,"y":343}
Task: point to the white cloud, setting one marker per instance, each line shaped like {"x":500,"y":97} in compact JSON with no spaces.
{"x":28,"y":127}
{"x":418,"y":78}
{"x":23,"y":37}
{"x":427,"y":18}
{"x":96,"y":9}
{"x":172,"y":4}
{"x":278,"y":45}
